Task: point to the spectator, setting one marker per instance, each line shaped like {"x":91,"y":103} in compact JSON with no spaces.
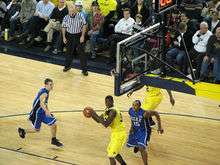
{"x":27,"y":11}
{"x":122,"y":4}
{"x":192,"y":25}
{"x":94,"y":33}
{"x":200,"y":40}
{"x":137,"y":28}
{"x":177,"y":54}
{"x":138,"y":23}
{"x":79,"y":8}
{"x":207,"y":11}
{"x":40,"y":19}
{"x":3,"y":10}
{"x":123,"y":29}
{"x":193,"y":9}
{"x":141,"y":8}
{"x":13,"y":10}
{"x":73,"y":30}
{"x":217,"y":4}
{"x":107,"y":8}
{"x":214,"y":22}
{"x":54,"y":24}
{"x":213,"y":55}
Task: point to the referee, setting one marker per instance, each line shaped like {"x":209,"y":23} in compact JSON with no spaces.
{"x":73,"y":31}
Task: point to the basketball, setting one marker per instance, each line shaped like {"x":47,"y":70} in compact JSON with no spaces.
{"x":87,"y":112}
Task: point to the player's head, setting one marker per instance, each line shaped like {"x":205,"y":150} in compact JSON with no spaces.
{"x":136,"y":105}
{"x":48,"y":84}
{"x":109,"y":101}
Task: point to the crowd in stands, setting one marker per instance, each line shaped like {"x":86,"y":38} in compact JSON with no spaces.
{"x":110,"y":21}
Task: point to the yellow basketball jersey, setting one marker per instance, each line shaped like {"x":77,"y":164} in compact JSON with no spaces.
{"x":153,"y":92}
{"x":117,"y":124}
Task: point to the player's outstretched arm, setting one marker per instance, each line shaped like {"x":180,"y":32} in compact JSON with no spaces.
{"x":172,"y":100}
{"x":96,"y":117}
{"x":100,"y":119}
{"x":156,"y":114}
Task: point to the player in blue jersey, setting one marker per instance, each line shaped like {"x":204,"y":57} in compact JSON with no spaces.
{"x":40,"y":113}
{"x":138,"y":131}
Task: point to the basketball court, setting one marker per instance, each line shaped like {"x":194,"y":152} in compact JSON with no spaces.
{"x":191,"y":127}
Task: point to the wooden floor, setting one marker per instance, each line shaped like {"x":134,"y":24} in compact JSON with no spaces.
{"x":187,"y":140}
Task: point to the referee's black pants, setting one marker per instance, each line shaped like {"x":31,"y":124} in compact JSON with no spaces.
{"x":74,"y":45}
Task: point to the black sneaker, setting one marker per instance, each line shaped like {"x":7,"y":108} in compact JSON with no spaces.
{"x":85,"y":73}
{"x":65,"y":69}
{"x":136,"y":150}
{"x":56,"y":143}
{"x":21,"y":132}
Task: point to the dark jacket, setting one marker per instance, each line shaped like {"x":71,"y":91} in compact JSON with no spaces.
{"x":144,"y":12}
{"x":213,"y":47}
{"x":210,"y":25}
{"x":187,"y":36}
{"x":59,"y":15}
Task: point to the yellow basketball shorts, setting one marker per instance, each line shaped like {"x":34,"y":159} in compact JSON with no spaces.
{"x":117,"y":141}
{"x":151,"y":103}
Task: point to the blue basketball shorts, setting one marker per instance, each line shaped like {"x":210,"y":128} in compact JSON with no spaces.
{"x":39,"y":116}
{"x":137,"y":139}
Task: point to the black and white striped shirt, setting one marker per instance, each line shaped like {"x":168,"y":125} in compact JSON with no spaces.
{"x":74,"y":24}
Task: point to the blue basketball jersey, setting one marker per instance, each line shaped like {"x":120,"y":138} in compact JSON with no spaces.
{"x":37,"y":115}
{"x":36,"y":103}
{"x":137,"y":119}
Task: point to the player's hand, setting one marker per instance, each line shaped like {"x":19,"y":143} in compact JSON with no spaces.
{"x":160,"y":130}
{"x":172,"y":101}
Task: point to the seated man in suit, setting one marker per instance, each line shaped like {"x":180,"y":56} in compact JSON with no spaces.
{"x":177,"y":54}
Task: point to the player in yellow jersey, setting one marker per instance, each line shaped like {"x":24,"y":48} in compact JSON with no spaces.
{"x":112,"y":118}
{"x":153,"y":97}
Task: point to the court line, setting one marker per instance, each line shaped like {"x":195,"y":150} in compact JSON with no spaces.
{"x":162,"y":113}
{"x":73,"y":111}
{"x":35,"y":155}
